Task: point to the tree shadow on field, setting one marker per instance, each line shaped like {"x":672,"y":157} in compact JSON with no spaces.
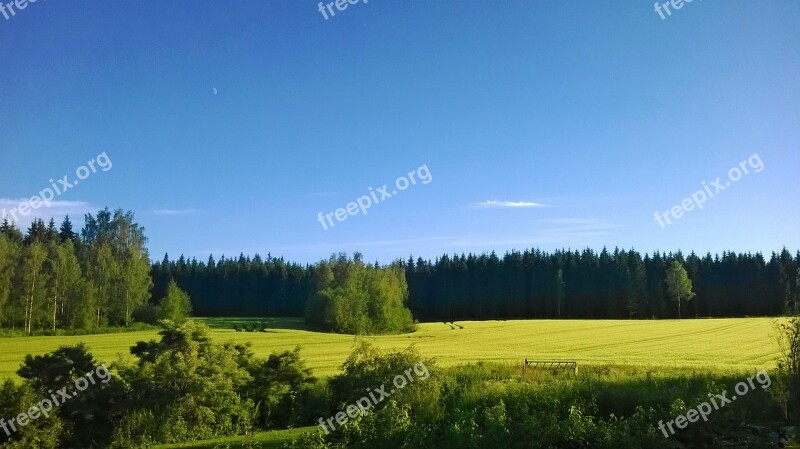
{"x":230,"y":323}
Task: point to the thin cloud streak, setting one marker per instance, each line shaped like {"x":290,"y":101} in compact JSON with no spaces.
{"x":506,"y":204}
{"x":173,"y":212}
{"x":57,"y":209}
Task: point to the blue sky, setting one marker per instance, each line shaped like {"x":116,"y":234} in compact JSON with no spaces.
{"x":597,"y":113}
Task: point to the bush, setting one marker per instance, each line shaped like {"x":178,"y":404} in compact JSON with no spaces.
{"x":176,"y":305}
{"x":185,"y":387}
{"x":87,"y":417}
{"x":276,"y":385}
{"x":489,"y":406}
{"x":44,"y":433}
{"x":147,"y":313}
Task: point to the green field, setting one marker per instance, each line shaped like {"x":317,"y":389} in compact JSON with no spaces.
{"x":265,"y":440}
{"x":708,"y":344}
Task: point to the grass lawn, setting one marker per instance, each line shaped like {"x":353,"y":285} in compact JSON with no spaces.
{"x":709,"y":344}
{"x":265,"y":440}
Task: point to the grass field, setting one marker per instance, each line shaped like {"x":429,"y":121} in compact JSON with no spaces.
{"x":265,"y":440}
{"x":712,"y":344}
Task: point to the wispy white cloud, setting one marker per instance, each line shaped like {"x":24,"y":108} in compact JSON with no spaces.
{"x":174,"y":211}
{"x":9,"y":207}
{"x":569,"y":221}
{"x":507,"y":204}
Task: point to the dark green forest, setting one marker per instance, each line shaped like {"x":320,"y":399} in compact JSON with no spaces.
{"x":530,"y":284}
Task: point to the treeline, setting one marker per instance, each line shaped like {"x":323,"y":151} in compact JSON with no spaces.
{"x":340,"y":294}
{"x":240,"y":286}
{"x":530,"y":284}
{"x":586,"y":284}
{"x":54,"y":278}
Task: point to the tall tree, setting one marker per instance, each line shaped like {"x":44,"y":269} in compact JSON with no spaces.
{"x":33,"y":292}
{"x":679,"y":286}
{"x":11,"y":231}
{"x":135,"y":282}
{"x":65,"y":231}
{"x":9,"y":259}
{"x":104,"y":269}
{"x":65,"y":281}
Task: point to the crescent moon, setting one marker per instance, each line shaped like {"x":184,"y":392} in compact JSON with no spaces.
{"x":215,"y":90}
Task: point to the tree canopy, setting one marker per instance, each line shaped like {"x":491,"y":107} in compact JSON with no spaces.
{"x":679,"y":285}
{"x":52,"y":279}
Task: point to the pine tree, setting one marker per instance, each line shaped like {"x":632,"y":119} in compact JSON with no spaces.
{"x":37,"y":232}
{"x":10,"y":230}
{"x":65,"y":231}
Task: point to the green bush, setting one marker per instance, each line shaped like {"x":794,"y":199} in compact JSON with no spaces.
{"x":490,"y":405}
{"x":43,"y":433}
{"x":278,"y":386}
{"x":189,"y":384}
{"x":176,"y":305}
{"x":147,"y":313}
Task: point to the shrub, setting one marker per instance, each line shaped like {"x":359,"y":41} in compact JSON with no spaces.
{"x":147,"y":313}
{"x":176,"y":305}
{"x":189,"y":385}
{"x":276,"y":385}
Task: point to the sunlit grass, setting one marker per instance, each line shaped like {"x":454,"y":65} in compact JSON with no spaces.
{"x":712,"y":344}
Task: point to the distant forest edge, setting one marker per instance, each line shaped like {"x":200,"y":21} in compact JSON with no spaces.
{"x":531,"y":284}
{"x":54,"y":278}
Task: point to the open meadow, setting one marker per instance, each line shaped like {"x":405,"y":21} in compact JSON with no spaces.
{"x":710,"y":344}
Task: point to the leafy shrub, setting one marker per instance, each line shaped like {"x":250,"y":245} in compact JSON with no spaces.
{"x":147,"y":313}
{"x":176,"y":305}
{"x":44,"y":433}
{"x":87,"y":417}
{"x":189,"y":384}
{"x":276,"y":385}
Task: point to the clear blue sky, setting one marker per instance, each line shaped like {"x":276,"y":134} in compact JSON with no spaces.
{"x":599,"y":112}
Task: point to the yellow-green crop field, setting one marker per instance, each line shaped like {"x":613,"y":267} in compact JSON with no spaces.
{"x":705,"y":345}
